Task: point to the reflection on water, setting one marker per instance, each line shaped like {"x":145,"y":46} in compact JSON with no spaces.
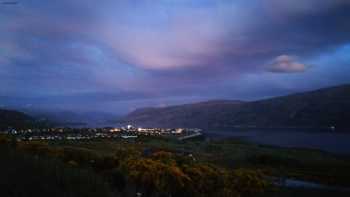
{"x":335,"y":142}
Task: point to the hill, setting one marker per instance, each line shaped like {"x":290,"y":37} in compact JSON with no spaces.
{"x":15,"y":119}
{"x":72,"y":118}
{"x":317,"y":109}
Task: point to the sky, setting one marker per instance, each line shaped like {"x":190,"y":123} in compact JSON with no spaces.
{"x":119,"y":55}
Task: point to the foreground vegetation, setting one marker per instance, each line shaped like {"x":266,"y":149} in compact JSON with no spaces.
{"x":161,"y":167}
{"x":24,"y":175}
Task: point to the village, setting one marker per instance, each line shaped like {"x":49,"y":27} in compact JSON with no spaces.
{"x":128,"y":132}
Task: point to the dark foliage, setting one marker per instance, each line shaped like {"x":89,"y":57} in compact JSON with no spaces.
{"x":26,"y":175}
{"x":38,"y":169}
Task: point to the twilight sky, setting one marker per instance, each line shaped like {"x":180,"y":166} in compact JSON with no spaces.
{"x":118,"y":55}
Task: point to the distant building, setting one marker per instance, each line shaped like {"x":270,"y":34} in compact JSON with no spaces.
{"x":115,"y":130}
{"x":129,"y":136}
{"x":178,"y":131}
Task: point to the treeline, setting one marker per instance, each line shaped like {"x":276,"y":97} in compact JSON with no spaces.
{"x":134,"y":171}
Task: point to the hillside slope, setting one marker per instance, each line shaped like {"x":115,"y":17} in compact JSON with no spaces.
{"x":320,"y":108}
{"x":15,"y":119}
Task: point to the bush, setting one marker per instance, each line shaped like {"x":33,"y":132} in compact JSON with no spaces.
{"x":152,"y":176}
{"x":248,"y":182}
{"x":105,"y":163}
{"x":205,"y":180}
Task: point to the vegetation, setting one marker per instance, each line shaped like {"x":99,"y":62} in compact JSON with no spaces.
{"x":128,"y":171}
{"x":160,"y":167}
{"x":25,"y":175}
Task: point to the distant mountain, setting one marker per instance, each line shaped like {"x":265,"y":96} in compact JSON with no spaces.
{"x":320,"y":108}
{"x":71,"y":118}
{"x":15,"y":119}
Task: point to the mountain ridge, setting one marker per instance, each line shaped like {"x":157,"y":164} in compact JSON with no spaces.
{"x":325,"y":107}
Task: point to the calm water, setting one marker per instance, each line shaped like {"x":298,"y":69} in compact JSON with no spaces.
{"x":335,"y":142}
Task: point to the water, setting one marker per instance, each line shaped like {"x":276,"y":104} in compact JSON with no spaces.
{"x":334,"y":142}
{"x":294,"y":183}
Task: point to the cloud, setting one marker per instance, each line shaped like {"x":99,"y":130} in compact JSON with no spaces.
{"x":168,"y":48}
{"x":280,"y":11}
{"x":183,"y":37}
{"x":286,"y":64}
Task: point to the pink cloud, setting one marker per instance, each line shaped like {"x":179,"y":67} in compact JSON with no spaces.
{"x":286,"y":64}
{"x":172,"y":48}
{"x":190,"y":38}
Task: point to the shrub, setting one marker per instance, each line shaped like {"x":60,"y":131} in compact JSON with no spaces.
{"x":152,"y":176}
{"x":206,"y":180}
{"x":248,"y":182}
